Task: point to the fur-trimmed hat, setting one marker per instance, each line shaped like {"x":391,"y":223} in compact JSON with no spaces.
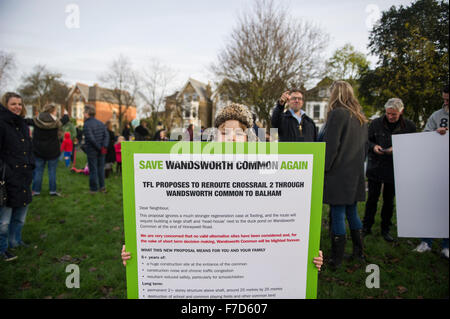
{"x":236,"y":112}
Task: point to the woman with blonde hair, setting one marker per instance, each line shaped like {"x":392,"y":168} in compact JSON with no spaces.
{"x":16,"y":173}
{"x":345,"y":134}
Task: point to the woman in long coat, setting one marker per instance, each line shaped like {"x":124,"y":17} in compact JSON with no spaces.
{"x":110,"y":158}
{"x":17,"y":163}
{"x":345,"y":134}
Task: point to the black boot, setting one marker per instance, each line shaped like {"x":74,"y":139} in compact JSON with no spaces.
{"x":358,"y":248}
{"x":337,"y":250}
{"x":387,"y":237}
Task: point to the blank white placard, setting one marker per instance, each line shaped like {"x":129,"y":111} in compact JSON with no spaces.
{"x":421,"y":184}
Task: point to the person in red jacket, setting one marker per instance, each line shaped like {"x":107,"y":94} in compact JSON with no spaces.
{"x":67,"y":148}
{"x":118,"y":150}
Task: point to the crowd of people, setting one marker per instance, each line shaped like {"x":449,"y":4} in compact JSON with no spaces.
{"x":350,"y":141}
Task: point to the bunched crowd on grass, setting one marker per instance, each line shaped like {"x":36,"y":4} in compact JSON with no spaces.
{"x":349,"y":139}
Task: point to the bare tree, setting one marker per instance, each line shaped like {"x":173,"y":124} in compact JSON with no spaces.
{"x":157,"y":79}
{"x":123,"y":83}
{"x":7,"y":66}
{"x":268,"y":52}
{"x":42,"y":86}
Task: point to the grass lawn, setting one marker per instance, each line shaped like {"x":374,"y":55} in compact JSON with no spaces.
{"x":87,"y":230}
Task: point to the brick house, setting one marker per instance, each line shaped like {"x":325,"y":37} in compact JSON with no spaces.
{"x":106,"y":105}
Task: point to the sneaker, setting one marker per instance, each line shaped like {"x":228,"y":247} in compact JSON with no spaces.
{"x":55,"y":194}
{"x":33,"y":193}
{"x":444,"y":252}
{"x":423,"y":247}
{"x":103,"y":190}
{"x":8,"y":256}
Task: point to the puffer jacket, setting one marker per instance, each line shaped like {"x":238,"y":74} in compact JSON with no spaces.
{"x":95,"y":136}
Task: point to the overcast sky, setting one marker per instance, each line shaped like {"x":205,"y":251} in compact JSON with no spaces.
{"x":79,"y":38}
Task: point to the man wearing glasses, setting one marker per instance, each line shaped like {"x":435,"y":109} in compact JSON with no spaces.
{"x":293,"y":125}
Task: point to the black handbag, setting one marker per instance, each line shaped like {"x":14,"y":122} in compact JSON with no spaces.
{"x":3,"y":196}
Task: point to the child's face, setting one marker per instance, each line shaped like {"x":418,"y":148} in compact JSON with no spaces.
{"x":232,"y":131}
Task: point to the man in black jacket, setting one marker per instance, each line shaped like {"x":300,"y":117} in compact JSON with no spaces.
{"x":380,"y":168}
{"x":141,"y":133}
{"x":293,"y":125}
{"x":96,"y":140}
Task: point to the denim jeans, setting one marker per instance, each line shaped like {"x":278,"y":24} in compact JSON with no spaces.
{"x":96,"y":163}
{"x":11,"y":224}
{"x":38,"y":172}
{"x":429,"y":241}
{"x":67,"y":156}
{"x":338,"y":214}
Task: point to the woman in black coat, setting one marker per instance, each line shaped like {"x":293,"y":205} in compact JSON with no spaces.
{"x":17,"y":163}
{"x":110,"y":158}
{"x":345,"y":134}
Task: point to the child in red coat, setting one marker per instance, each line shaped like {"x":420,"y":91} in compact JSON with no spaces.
{"x":67,"y":148}
{"x":118,"y":150}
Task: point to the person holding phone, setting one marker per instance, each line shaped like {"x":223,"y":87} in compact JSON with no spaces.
{"x":380,"y":168}
{"x":293,"y":124}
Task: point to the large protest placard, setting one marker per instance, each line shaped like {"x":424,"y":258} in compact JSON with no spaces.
{"x":222,"y":220}
{"x":421,"y":184}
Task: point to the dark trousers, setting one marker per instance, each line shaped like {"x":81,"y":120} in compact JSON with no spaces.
{"x":372,"y":201}
{"x":96,"y":163}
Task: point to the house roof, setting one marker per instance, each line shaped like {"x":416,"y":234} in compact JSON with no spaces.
{"x":315,"y":94}
{"x":326,"y":81}
{"x":172,"y":97}
{"x":95,"y":93}
{"x":83,"y":88}
{"x":199,"y":87}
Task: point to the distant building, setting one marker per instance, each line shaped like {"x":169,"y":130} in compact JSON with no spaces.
{"x":220,"y":99}
{"x":171,"y":115}
{"x":191,"y":105}
{"x":194,"y":99}
{"x":106,"y":105}
{"x":317,"y":101}
{"x":195,"y":104}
